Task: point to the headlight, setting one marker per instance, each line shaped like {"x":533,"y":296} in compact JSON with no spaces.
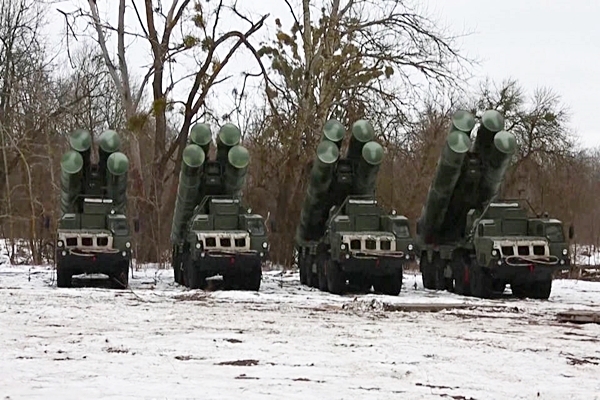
{"x":565,"y":252}
{"x":127,"y":244}
{"x":124,"y":254}
{"x":198,"y":245}
{"x":343,"y":246}
{"x":494,"y":253}
{"x":265,"y":245}
{"x":261,"y":254}
{"x":64,"y":253}
{"x":60,"y":243}
{"x":410,"y":247}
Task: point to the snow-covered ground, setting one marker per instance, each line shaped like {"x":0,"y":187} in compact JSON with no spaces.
{"x":162,"y":341}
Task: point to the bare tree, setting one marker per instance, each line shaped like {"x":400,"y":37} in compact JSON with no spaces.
{"x":359,"y":59}
{"x":183,"y":30}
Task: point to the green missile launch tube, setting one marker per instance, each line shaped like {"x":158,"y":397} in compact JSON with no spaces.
{"x":80,"y":140}
{"x":311,"y":224}
{"x":187,"y":190}
{"x":365,"y":180}
{"x":496,"y":165}
{"x":492,"y":122}
{"x":462,"y":121}
{"x":71,"y":182}
{"x":334,"y":131}
{"x":444,"y":182}
{"x":362,"y":132}
{"x":201,"y":134}
{"x":234,"y":176}
{"x":229,"y":135}
{"x":117,"y":166}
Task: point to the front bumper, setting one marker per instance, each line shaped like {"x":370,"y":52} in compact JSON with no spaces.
{"x":525,"y":271}
{"x":91,"y":263}
{"x":223,"y":263}
{"x":373,"y":265}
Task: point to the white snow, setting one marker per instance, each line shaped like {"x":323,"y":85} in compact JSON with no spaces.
{"x":162,"y":341}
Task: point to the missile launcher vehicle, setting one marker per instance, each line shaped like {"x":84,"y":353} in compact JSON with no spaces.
{"x":213,"y":233}
{"x":93,"y":233}
{"x":469,"y":242}
{"x":344,"y":238}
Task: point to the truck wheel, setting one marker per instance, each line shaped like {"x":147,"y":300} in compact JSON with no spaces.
{"x":254,"y":278}
{"x":461,"y":279}
{"x":121,"y":278}
{"x":63,"y":278}
{"x":426,"y":272}
{"x":193,"y":277}
{"x":302,"y":270}
{"x":336,"y":282}
{"x":390,"y":285}
{"x":481,"y":282}
{"x":540,"y":289}
{"x":321,"y":276}
{"x":176,"y":274}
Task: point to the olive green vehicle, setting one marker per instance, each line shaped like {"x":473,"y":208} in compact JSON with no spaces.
{"x":93,"y":233}
{"x":213,"y":233}
{"x":468,"y":242}
{"x":344,"y":239}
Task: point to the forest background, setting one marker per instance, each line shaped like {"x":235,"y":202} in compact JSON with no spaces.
{"x":151,"y":69}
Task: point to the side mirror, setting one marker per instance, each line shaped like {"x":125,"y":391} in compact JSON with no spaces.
{"x":46,"y":222}
{"x":571,"y":232}
{"x":272,"y":224}
{"x":136,"y":225}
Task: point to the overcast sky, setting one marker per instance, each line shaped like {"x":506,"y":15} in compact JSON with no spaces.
{"x":552,"y":43}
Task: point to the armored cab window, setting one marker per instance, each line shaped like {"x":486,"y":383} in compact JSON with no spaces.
{"x":385,"y":245}
{"x":256,"y":227}
{"x":508,"y":250}
{"x":371,"y":244}
{"x":355,"y":244}
{"x":225,"y":242}
{"x":119,"y":227}
{"x":211,"y":242}
{"x":102,"y":241}
{"x":72,"y":242}
{"x":400,"y":229}
{"x":539,"y":250}
{"x":87,"y":241}
{"x":523,"y":250}
{"x":240,"y":242}
{"x":554,"y":233}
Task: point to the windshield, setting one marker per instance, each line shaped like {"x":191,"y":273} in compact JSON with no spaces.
{"x":554,"y":233}
{"x":256,"y":227}
{"x":400,"y":229}
{"x":119,"y":227}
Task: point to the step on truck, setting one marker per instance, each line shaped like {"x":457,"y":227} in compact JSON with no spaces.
{"x":93,"y":235}
{"x":214,"y":235}
{"x":472,"y":244}
{"x":344,"y":239}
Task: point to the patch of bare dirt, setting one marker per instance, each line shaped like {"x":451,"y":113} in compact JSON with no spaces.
{"x":239,"y":363}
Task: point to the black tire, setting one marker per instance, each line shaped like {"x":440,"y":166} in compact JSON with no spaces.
{"x":63,"y":278}
{"x":303,"y":270}
{"x":253,"y":278}
{"x":321,"y":276}
{"x":541,"y":289}
{"x":121,"y":277}
{"x":460,"y":271}
{"x":481,"y":282}
{"x":390,"y":285}
{"x":336,"y":279}
{"x":194,"y":280}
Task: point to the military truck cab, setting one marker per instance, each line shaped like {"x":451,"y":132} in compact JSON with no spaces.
{"x":224,"y":239}
{"x":518,"y":250}
{"x":364,"y":246}
{"x":96,"y":240}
